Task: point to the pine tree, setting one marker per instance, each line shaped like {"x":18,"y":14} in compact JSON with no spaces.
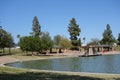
{"x":79,"y":42}
{"x":36,"y":27}
{"x":108,"y":36}
{"x":118,"y":39}
{"x":74,"y":32}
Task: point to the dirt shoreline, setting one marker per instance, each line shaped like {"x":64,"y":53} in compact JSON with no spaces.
{"x":14,"y":58}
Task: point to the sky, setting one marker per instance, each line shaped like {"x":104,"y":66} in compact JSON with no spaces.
{"x":54,"y":16}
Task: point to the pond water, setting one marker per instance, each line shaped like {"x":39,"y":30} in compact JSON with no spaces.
{"x":97,"y":64}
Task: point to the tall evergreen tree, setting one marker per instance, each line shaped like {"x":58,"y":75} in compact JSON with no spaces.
{"x":36,"y":27}
{"x":118,"y":39}
{"x":74,"y":32}
{"x":80,"y":43}
{"x":108,"y":36}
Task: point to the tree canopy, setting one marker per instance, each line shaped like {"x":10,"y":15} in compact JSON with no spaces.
{"x":46,"y":41}
{"x":118,"y":39}
{"x":62,"y":42}
{"x":84,"y":39}
{"x":74,"y":32}
{"x":36,"y":44}
{"x":29,"y":43}
{"x":6,"y":39}
{"x":94,"y":41}
{"x":108,"y":36}
{"x":57,"y":39}
{"x":37,"y":41}
{"x":36,"y":27}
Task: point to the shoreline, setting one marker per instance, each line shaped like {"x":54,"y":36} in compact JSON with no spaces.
{"x":20,"y":58}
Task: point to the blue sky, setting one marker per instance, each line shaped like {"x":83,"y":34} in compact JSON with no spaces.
{"x":54,"y":16}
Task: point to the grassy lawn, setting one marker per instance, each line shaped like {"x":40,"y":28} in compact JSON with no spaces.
{"x":16,"y":74}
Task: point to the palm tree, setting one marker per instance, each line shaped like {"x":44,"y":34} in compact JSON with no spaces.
{"x":18,"y":36}
{"x":84,"y":39}
{"x":0,"y":27}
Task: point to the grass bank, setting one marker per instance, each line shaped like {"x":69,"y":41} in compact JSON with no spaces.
{"x":19,"y":74}
{"x":8,"y":73}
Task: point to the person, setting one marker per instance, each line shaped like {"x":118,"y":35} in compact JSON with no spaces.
{"x":102,"y":50}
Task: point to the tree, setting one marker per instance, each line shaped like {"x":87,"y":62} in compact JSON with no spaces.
{"x":46,"y":41}
{"x":64,"y":43}
{"x":6,"y":40}
{"x":79,"y":42}
{"x":36,"y":27}
{"x":94,"y":41}
{"x":118,"y":39}
{"x":29,"y":43}
{"x":84,"y":39}
{"x":57,"y":39}
{"x":36,"y":44}
{"x":9,"y":42}
{"x":74,"y":32}
{"x":61,"y":42}
{"x":2,"y":39}
{"x":108,"y":36}
{"x":0,"y":27}
{"x":18,"y":36}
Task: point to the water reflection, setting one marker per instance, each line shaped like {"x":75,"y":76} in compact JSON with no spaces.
{"x":99,"y":64}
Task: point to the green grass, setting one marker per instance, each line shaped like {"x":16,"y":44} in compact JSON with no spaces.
{"x":16,"y":74}
{"x":14,"y":52}
{"x":7,"y":73}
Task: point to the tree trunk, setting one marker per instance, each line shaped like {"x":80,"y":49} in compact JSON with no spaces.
{"x":50,"y":50}
{"x":60,"y":50}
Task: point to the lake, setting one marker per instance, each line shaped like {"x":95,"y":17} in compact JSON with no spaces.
{"x":97,"y":64}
